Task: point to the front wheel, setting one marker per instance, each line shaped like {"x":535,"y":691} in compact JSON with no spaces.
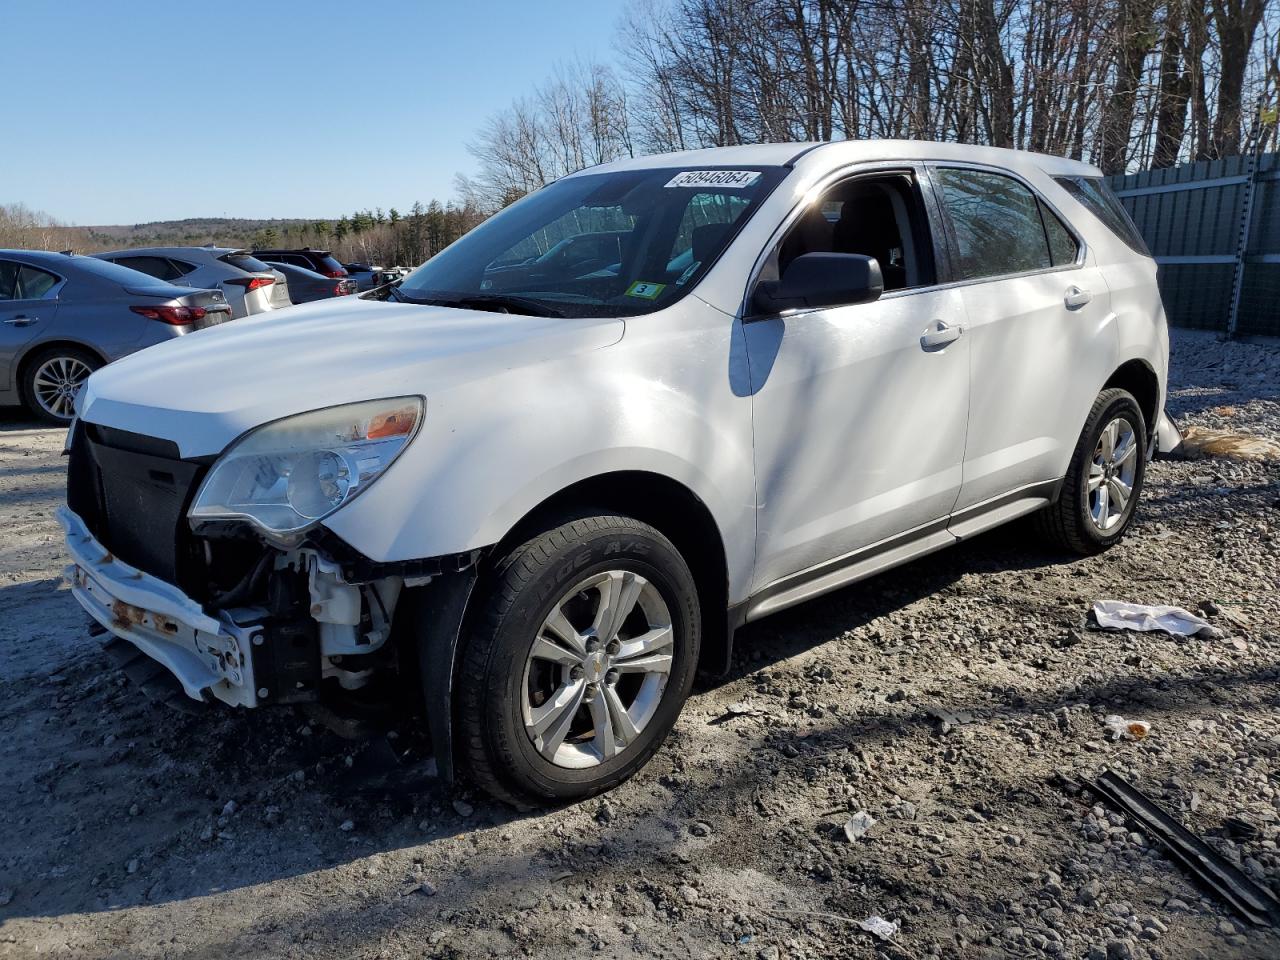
{"x":1103,"y":483}
{"x":578,"y":661}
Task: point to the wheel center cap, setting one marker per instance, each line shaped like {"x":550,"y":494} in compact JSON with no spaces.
{"x":593,"y":668}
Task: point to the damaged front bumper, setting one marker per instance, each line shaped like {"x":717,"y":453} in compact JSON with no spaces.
{"x":209,"y":656}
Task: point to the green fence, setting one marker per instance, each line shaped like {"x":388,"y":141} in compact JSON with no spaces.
{"x":1214,"y":229}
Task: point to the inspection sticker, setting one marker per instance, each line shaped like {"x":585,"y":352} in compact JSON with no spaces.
{"x":734,"y":179}
{"x":645,"y":290}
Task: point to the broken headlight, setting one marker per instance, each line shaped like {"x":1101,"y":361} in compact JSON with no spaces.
{"x":286,"y":476}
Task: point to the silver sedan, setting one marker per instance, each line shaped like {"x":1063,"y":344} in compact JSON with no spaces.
{"x":63,"y":316}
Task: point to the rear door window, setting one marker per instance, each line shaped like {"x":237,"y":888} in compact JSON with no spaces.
{"x":1062,"y":245}
{"x":33,"y":283}
{"x":996,"y":222}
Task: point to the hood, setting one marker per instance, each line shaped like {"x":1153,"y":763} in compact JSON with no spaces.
{"x":205,"y":389}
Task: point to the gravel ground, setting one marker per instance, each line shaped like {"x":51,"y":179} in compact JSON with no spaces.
{"x":947,"y":700}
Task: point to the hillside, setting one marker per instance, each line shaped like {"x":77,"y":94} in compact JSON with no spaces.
{"x":195,"y":231}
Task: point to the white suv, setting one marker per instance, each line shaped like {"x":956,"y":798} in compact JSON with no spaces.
{"x":545,"y":491}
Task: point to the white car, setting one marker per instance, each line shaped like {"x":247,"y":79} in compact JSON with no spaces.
{"x":537,"y":496}
{"x":249,"y":285}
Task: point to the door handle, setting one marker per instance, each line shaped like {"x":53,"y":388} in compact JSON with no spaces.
{"x":939,"y":334}
{"x":20,"y":321}
{"x":1076,"y":297}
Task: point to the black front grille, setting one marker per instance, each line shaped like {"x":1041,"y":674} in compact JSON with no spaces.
{"x":132,"y":492}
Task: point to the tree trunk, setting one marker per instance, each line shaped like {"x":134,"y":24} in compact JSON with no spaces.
{"x":1236,"y":22}
{"x":1175,"y":90}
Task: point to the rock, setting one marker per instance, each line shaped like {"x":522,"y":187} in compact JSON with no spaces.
{"x":700,"y":828}
{"x":230,"y":808}
{"x":6,"y":896}
{"x":768,"y":953}
{"x":463,"y":808}
{"x":1088,"y":894}
{"x":688,"y":894}
{"x":207,"y":833}
{"x":347,"y":826}
{"x":1119,"y":950}
{"x":426,"y":888}
{"x":132,"y":866}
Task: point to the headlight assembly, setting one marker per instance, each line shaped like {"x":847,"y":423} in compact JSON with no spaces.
{"x":286,"y":476}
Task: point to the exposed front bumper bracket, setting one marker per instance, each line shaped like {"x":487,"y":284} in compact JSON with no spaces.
{"x":208,"y":655}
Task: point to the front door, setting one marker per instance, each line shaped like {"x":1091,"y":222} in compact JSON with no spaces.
{"x":859,"y":411}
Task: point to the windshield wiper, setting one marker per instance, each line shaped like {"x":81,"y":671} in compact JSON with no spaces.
{"x":500,"y":303}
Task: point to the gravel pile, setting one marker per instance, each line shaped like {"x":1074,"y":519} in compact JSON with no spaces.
{"x":910,"y":750}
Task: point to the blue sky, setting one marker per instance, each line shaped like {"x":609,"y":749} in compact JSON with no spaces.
{"x":162,"y":109}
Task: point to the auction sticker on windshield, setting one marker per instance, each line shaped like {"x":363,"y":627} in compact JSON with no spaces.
{"x":735,"y":179}
{"x":645,"y":290}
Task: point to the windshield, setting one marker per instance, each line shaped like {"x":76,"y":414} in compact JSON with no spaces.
{"x":605,"y":244}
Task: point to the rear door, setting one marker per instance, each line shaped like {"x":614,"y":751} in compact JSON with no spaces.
{"x":1041,"y":340}
{"x":28,"y":303}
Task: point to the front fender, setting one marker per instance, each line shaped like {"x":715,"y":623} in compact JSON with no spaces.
{"x":490,"y":451}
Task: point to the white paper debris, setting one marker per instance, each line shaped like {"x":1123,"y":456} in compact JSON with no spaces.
{"x":880,"y":927}
{"x":856,"y":827}
{"x":1118,"y":615}
{"x":1120,"y":728}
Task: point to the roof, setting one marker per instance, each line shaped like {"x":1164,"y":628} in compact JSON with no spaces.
{"x":842,"y":152}
{"x":40,"y":257}
{"x":212,"y":251}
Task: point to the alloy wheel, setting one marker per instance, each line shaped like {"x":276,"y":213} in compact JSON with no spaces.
{"x":597,"y":669}
{"x":56,"y":383}
{"x":1112,"y":471}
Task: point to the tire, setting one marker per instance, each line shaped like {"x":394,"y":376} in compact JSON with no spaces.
{"x":1072,"y":522}
{"x":48,"y":370}
{"x":504,"y":691}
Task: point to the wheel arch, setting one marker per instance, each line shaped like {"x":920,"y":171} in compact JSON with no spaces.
{"x":675,"y":511}
{"x":35,"y":350}
{"x":1139,"y":378}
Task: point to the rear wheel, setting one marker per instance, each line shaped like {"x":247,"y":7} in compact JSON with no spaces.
{"x":579,"y":661}
{"x":53,"y":378}
{"x":1101,"y":490}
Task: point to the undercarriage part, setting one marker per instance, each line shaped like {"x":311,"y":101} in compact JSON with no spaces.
{"x":151,"y":677}
{"x":1253,"y":902}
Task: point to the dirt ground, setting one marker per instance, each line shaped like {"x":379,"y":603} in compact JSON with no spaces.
{"x":946,"y":699}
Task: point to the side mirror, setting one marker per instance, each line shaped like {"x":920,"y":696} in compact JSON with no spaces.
{"x":821,"y":280}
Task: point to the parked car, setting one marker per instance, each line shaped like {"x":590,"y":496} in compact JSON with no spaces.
{"x":249,"y":285}
{"x":363,"y":274}
{"x":307,"y":285}
{"x":64,"y":316}
{"x":390,"y":275}
{"x":321,"y":261}
{"x":549,"y":498}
